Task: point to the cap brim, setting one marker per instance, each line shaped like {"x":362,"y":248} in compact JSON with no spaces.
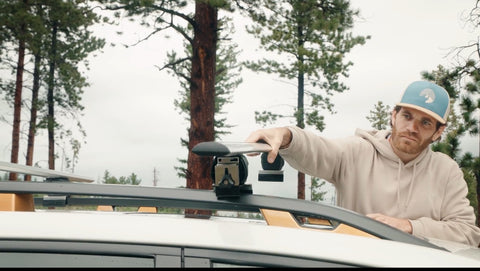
{"x":426,"y":111}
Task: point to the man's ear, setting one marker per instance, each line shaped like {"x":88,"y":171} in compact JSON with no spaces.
{"x":438,"y":133}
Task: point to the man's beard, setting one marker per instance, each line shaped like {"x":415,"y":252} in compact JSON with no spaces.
{"x":410,"y":147}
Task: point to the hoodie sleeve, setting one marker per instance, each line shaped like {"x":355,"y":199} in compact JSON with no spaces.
{"x":457,"y":221}
{"x":322,"y":157}
{"x":312,"y":154}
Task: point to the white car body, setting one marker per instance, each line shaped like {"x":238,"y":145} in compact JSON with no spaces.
{"x":251,"y":237}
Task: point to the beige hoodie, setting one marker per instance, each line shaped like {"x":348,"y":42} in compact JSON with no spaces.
{"x":370,"y":178}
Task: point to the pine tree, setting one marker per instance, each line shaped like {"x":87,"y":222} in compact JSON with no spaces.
{"x":313,"y":38}
{"x":199,"y":28}
{"x":69,"y":42}
{"x":380,"y":116}
{"x":226,"y":80}
{"x":15,"y":22}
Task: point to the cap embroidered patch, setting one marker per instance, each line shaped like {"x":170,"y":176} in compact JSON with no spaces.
{"x":429,"y":95}
{"x":429,"y":98}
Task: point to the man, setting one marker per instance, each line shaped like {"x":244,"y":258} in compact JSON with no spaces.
{"x":391,"y":176}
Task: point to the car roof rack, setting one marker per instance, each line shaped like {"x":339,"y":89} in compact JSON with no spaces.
{"x":50,"y":175}
{"x":127,"y":195}
{"x":62,"y":189}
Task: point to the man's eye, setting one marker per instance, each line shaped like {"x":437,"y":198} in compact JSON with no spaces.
{"x":427,"y":123}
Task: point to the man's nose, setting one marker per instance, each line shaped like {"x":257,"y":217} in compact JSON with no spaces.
{"x":412,"y":126}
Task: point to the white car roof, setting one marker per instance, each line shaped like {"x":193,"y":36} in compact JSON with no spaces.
{"x":230,"y":234}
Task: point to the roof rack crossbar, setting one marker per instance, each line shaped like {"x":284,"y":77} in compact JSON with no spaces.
{"x":206,"y":199}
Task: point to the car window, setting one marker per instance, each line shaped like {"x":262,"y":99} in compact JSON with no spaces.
{"x":29,"y":259}
{"x":31,"y":253}
{"x":39,"y":253}
{"x":224,"y":258}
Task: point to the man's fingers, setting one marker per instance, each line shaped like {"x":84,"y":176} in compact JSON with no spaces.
{"x":269,"y":137}
{"x":271,"y":156}
{"x":253,"y":138}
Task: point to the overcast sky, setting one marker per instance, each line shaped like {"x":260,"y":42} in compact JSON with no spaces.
{"x":133,"y":127}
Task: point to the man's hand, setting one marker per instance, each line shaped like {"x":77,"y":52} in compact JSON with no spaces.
{"x":399,"y":223}
{"x":275,"y":137}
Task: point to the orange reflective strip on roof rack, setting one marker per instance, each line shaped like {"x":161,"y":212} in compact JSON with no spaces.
{"x":342,"y":228}
{"x":147,"y":209}
{"x":107,"y":208}
{"x":279,"y":218}
{"x":16,"y":202}
{"x":286,"y":219}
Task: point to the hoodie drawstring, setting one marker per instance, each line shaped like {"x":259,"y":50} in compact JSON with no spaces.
{"x":410,"y":188}
{"x":398,"y":182}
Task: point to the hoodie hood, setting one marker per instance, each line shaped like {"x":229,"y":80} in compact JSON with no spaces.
{"x":379,"y":139}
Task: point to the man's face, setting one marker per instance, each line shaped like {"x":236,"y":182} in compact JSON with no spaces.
{"x":413,"y":131}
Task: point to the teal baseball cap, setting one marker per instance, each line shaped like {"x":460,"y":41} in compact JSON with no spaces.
{"x":427,"y":97}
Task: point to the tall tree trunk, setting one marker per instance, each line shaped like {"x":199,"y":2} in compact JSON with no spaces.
{"x":301,"y":108}
{"x":17,"y":107}
{"x":301,"y":124}
{"x":50,"y":101}
{"x":301,"y":185}
{"x":477,"y":179}
{"x":477,"y":176}
{"x":33,"y":114}
{"x":202,"y":96}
